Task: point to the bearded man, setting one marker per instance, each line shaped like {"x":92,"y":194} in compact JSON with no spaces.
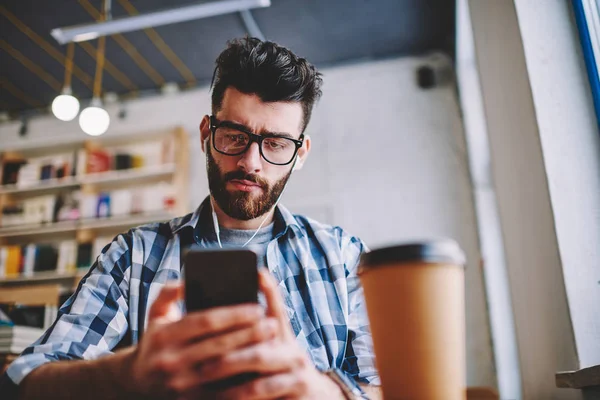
{"x":116,"y":336}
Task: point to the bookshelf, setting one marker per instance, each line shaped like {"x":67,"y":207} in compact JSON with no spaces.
{"x":83,"y":192}
{"x":108,"y":178}
{"x":111,"y":223}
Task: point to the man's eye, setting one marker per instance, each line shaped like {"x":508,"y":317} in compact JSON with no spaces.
{"x":236,"y":138}
{"x":276,"y":144}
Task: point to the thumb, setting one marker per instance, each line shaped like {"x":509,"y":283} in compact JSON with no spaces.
{"x":275,"y":305}
{"x":164,"y":309}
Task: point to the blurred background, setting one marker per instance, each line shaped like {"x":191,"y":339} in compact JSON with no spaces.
{"x":439,"y":118}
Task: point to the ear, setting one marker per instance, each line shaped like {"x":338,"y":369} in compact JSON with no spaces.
{"x":204,"y":132}
{"x":303,"y":153}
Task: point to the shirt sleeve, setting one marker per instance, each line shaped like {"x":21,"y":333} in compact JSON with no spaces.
{"x":91,"y":322}
{"x":359,"y":361}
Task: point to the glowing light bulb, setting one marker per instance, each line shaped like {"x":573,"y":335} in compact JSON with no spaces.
{"x":94,"y":120}
{"x":64,"y":106}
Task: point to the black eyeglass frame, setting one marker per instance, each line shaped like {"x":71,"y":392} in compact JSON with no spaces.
{"x":253,"y":137}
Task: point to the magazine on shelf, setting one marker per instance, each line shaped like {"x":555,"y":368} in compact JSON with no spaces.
{"x":14,"y":339}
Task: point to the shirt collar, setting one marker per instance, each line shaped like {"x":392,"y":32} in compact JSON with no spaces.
{"x":284,"y":220}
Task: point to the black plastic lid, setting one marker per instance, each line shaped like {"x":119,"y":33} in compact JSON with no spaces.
{"x":431,"y":251}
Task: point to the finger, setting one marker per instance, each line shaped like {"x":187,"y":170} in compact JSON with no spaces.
{"x":161,"y":310}
{"x":203,"y":324}
{"x":275,"y":305}
{"x":220,"y":345}
{"x":187,"y":385}
{"x":182,"y":384}
{"x":267,"y":387}
{"x":264,"y":358}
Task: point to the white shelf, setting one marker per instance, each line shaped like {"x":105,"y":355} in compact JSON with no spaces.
{"x":65,"y":143}
{"x":72,"y":226}
{"x":123,"y":221}
{"x":109,"y":177}
{"x":45,"y":146}
{"x":26,"y":230}
{"x":47,"y":185}
{"x":42,"y":277}
{"x":134,"y":174}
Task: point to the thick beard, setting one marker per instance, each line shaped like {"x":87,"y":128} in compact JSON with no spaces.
{"x":242,"y":205}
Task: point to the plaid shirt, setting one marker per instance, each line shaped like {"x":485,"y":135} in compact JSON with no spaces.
{"x":315,"y":266}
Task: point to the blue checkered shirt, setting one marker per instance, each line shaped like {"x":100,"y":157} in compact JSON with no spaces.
{"x":315,"y":265}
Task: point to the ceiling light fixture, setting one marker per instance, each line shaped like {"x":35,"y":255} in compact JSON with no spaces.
{"x":81,"y":33}
{"x":94,"y":120}
{"x":65,"y":106}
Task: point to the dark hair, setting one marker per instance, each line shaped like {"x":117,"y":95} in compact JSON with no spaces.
{"x":268,"y":70}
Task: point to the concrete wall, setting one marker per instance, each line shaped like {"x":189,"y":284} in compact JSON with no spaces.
{"x":388,"y":164}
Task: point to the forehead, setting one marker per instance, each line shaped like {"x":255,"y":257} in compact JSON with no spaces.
{"x":250,"y":111}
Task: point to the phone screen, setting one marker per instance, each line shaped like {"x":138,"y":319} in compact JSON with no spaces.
{"x":216,"y":278}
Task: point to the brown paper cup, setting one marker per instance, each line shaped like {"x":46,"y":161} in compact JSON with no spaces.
{"x":415,"y":301}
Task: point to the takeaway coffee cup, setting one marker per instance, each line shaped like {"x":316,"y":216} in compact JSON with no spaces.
{"x":415,"y":301}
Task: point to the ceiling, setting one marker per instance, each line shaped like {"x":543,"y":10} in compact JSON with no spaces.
{"x":326,"y":32}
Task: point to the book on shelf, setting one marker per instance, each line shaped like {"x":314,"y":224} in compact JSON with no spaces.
{"x":10,"y":171}
{"x":67,"y":206}
{"x":10,"y":260}
{"x":15,"y":338}
{"x":27,"y":260}
{"x":67,"y":257}
{"x":63,"y":257}
{"x":37,"y":258}
{"x":84,"y":255}
{"x":16,"y":345}
{"x":20,"y":332}
{"x":25,"y":319}
{"x":76,"y":205}
{"x":21,"y":325}
{"x":35,"y":210}
{"x":31,"y":171}
{"x":97,"y":158}
{"x":25,"y":172}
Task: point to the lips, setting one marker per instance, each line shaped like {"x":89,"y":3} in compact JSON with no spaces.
{"x":245,"y":182}
{"x":245,"y":185}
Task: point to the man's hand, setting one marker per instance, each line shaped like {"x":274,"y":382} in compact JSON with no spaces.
{"x":284,"y":368}
{"x":165,"y":362}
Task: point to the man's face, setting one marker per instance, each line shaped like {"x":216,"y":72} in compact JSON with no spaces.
{"x":247,"y":186}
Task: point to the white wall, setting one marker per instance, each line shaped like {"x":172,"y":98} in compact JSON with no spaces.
{"x":571,"y":144}
{"x":495,"y":271}
{"x":542,"y":317}
{"x":388,"y":164}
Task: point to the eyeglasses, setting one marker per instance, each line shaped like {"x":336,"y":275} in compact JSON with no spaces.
{"x":230,"y":139}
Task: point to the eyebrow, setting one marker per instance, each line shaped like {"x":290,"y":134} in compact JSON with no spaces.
{"x":244,"y":128}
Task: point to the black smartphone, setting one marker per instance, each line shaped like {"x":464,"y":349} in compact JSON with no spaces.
{"x":216,"y":278}
{"x":223,"y":277}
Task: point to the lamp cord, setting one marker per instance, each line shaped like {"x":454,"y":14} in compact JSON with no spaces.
{"x":100,"y":60}
{"x":69,"y":64}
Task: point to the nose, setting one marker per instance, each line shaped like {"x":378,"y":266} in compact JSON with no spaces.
{"x":251,"y":161}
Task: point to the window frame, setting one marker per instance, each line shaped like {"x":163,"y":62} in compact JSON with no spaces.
{"x":587,"y":18}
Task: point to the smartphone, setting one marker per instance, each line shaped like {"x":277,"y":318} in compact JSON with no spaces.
{"x":223,"y":277}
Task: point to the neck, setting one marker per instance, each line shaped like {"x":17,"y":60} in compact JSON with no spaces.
{"x":225,"y":221}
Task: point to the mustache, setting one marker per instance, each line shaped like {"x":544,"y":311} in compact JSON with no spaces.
{"x":241,"y":175}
